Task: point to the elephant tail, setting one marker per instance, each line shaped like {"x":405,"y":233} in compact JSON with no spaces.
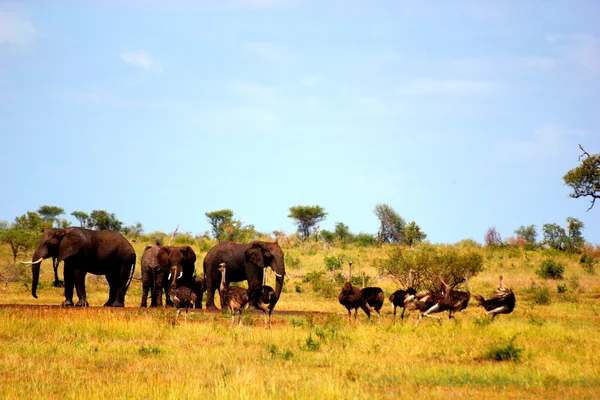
{"x":130,"y":277}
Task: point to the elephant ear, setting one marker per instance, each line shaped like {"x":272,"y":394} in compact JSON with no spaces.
{"x":71,"y":241}
{"x":163,"y":256}
{"x":254,"y":254}
{"x":189,"y":254}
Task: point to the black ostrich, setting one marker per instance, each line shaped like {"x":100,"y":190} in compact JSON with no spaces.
{"x":181,"y":296}
{"x":402,"y":298}
{"x":501,"y":302}
{"x":373,"y":296}
{"x":429,"y":302}
{"x":456,"y":300}
{"x":263,"y":298}
{"x":352,"y":298}
{"x":235,"y":298}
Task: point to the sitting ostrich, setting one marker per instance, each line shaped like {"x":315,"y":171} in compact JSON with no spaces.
{"x":402,"y":298}
{"x":501,"y":302}
{"x":456,"y":300}
{"x":181,"y":296}
{"x":263,"y":298}
{"x":235,"y":298}
{"x":352,"y":298}
{"x":373,"y":295}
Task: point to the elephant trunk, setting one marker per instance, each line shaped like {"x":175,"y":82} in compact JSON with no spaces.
{"x":278,"y":287}
{"x":36,"y":259}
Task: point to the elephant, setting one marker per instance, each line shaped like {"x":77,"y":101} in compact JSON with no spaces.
{"x":199,"y":289}
{"x":84,"y":250}
{"x":156,"y":264}
{"x":244,"y":262}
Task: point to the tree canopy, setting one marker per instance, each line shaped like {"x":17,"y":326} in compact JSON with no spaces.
{"x":225,"y":227}
{"x":307,"y":218}
{"x":103,"y":220}
{"x":391,"y":228}
{"x":528,"y":233}
{"x":413,"y":234}
{"x":82,"y":217}
{"x":585,"y":178}
{"x":50,"y":214}
{"x":20,"y":240}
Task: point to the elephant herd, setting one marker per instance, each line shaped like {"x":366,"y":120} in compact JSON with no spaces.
{"x":110,"y":254}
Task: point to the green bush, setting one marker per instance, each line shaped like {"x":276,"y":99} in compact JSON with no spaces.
{"x":561,"y":288}
{"x":365,"y":240}
{"x":550,"y":269}
{"x":504,"y":352}
{"x":588,"y":263}
{"x":332,"y":263}
{"x":292,"y":262}
{"x":530,"y":246}
{"x":184,"y":239}
{"x":540,"y":296}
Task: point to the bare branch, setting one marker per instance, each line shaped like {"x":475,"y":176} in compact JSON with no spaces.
{"x":173,"y":234}
{"x":585,"y":153}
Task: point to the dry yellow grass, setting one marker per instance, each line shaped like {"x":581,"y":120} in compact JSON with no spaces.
{"x":49,"y":352}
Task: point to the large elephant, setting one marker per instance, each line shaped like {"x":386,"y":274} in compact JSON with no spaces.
{"x":244,"y":262}
{"x":83,"y":250}
{"x":156,"y":264}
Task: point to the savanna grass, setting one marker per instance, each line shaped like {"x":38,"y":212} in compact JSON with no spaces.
{"x":312,"y":352}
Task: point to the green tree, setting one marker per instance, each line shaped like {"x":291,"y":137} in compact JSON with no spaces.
{"x":82,"y":217}
{"x":31,"y":221}
{"x":218,"y":220}
{"x":19,"y":240}
{"x":103,"y":220}
{"x":413,"y":234}
{"x":50,"y":214}
{"x":134,"y":231}
{"x":327,"y":236}
{"x":391,"y":228}
{"x":555,"y":236}
{"x":585,"y":179}
{"x":342,"y":232}
{"x":575,"y":240}
{"x":529,"y":233}
{"x":428,"y":263}
{"x":307,"y":218}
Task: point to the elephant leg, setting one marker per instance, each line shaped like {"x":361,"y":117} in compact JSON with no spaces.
{"x":69,"y":285}
{"x":211,"y":287}
{"x":146,"y":288}
{"x":80,"y":286}
{"x":118,"y":282}
{"x":57,"y":282}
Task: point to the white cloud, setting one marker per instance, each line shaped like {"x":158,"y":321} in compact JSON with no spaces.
{"x":15,"y":27}
{"x":312,"y":80}
{"x":254,"y":89}
{"x":540,"y":62}
{"x":201,"y":5}
{"x":268,"y":52}
{"x":548,"y":143}
{"x":449,"y":87}
{"x":141,"y":59}
{"x":585,"y":51}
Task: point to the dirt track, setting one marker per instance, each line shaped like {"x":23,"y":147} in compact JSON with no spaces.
{"x":154,"y":310}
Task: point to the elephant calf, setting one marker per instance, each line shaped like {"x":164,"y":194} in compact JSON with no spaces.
{"x":156,"y":265}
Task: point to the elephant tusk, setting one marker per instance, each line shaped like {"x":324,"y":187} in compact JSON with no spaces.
{"x":180,"y":274}
{"x":32,"y":262}
{"x":278,"y":275}
{"x":169,"y":277}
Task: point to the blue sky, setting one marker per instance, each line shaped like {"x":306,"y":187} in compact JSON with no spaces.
{"x":461,"y":115}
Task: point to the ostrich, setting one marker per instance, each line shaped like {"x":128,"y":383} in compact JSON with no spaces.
{"x":235,"y":298}
{"x":501,"y":302}
{"x":402,"y":298}
{"x":373,"y":296}
{"x":352,"y":298}
{"x":455,"y":300}
{"x":181,"y":296}
{"x":263,"y":298}
{"x":429,"y":302}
